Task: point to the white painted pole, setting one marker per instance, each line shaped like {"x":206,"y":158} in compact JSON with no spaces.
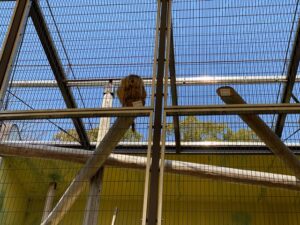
{"x":49,"y":200}
{"x":114,"y":218}
{"x":93,"y":201}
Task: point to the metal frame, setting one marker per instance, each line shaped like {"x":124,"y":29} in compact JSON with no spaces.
{"x":96,"y":183}
{"x":197,"y":148}
{"x":233,"y":109}
{"x":75,"y":113}
{"x":11,"y":44}
{"x":263,"y":131}
{"x":151,"y":118}
{"x":174,"y":90}
{"x":291,"y":78}
{"x":57,"y":68}
{"x":180,"y":81}
{"x":156,"y":148}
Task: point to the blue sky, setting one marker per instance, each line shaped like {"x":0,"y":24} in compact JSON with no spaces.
{"x":105,"y":40}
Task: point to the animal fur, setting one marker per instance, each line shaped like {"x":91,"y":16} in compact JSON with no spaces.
{"x":131,"y":89}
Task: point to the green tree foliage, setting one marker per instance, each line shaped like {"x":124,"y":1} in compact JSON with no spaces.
{"x":71,"y":135}
{"x":193,"y":129}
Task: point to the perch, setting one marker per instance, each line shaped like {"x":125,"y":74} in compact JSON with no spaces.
{"x":230,"y":96}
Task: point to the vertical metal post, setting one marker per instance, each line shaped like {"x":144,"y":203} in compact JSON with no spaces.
{"x":93,"y":201}
{"x":150,"y":135}
{"x":156,"y":148}
{"x":164,"y":131}
{"x":12,"y":43}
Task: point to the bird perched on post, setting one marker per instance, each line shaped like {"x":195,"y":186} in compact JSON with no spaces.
{"x":131,"y":90}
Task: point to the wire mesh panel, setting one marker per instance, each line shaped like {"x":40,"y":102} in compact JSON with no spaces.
{"x":96,"y":44}
{"x":238,"y":40}
{"x":196,"y":200}
{"x":246,"y":45}
{"x":26,"y":177}
{"x":217,"y":177}
{"x":67,"y":168}
{"x":6,"y":13}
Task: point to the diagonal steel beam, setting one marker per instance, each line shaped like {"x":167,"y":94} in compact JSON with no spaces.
{"x":12,"y":43}
{"x":263,"y":131}
{"x":174,"y":91}
{"x":291,"y":77}
{"x":57,"y":68}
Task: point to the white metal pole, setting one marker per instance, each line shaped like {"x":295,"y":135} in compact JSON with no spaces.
{"x":93,"y":201}
{"x":49,"y":200}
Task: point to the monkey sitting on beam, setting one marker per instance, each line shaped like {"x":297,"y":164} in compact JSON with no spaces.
{"x":131,"y":90}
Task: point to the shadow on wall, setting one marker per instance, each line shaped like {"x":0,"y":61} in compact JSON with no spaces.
{"x":241,"y":218}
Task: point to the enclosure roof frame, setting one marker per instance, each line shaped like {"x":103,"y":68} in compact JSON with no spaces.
{"x":174,"y":95}
{"x":291,"y":78}
{"x":57,"y":68}
{"x":12,"y":43}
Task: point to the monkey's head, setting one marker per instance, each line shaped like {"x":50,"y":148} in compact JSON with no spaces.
{"x":131,"y":89}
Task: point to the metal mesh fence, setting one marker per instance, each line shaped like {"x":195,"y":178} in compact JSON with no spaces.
{"x":62,"y":104}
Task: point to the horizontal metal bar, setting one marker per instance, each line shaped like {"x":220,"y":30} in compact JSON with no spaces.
{"x":233,"y":109}
{"x":126,"y":161}
{"x":133,"y":144}
{"x":197,"y":80}
{"x":144,"y":111}
{"x":205,"y":147}
{"x":75,"y":113}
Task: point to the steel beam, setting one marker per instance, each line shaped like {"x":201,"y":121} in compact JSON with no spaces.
{"x":75,"y":113}
{"x":291,"y":78}
{"x":57,"y":68}
{"x":180,"y":81}
{"x":156,"y":147}
{"x":11,"y":44}
{"x":174,"y":91}
{"x":233,"y":109}
{"x":187,"y":148}
{"x":230,"y":109}
{"x":263,"y":131}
